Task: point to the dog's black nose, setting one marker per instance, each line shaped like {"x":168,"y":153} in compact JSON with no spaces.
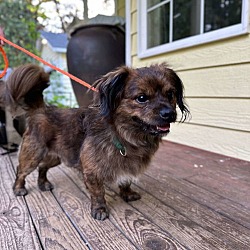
{"x":166,"y":113}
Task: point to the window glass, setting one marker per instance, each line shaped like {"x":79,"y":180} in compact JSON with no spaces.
{"x":220,"y":14}
{"x":186,"y":18}
{"x":158,"y":26}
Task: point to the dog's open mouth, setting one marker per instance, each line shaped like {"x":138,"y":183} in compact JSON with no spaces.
{"x":153,"y":129}
{"x":159,"y":130}
{"x":164,"y":129}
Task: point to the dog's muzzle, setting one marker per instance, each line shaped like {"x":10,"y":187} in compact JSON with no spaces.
{"x":157,"y":130}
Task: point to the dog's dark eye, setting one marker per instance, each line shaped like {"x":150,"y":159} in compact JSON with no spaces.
{"x":170,"y":95}
{"x":142,"y":99}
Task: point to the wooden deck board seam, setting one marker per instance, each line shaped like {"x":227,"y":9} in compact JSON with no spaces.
{"x":212,"y":192}
{"x":206,"y":211}
{"x":72,"y":222}
{"x":149,"y":219}
{"x":119,"y":229}
{"x":178,"y":244}
{"x":224,"y":215}
{"x":8,"y":156}
{"x":34,"y":225}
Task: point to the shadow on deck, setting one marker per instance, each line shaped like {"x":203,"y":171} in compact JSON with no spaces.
{"x":191,"y":199}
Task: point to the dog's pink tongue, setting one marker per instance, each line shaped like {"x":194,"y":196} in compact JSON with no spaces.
{"x":166,"y":128}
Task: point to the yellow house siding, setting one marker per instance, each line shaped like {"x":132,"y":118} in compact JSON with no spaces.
{"x":134,"y":21}
{"x":134,"y":38}
{"x":216,"y":77}
{"x":222,"y":141}
{"x":120,"y":8}
{"x":223,"y":81}
{"x":221,"y":112}
{"x":224,"y":52}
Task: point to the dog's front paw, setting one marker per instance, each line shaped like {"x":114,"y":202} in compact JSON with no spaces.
{"x":130,"y":196}
{"x":100,"y":213}
{"x":45,"y":186}
{"x":20,"y":191}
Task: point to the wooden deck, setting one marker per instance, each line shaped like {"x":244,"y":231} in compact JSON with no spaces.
{"x":191,"y":199}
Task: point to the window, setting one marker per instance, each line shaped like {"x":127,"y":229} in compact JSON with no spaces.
{"x":166,"y":25}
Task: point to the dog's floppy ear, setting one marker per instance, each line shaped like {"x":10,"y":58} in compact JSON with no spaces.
{"x":169,"y":73}
{"x":111,"y":88}
{"x":180,"y":99}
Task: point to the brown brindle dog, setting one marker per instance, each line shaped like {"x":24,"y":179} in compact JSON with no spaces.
{"x":113,"y":140}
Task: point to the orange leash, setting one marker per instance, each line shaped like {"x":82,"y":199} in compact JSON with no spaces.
{"x":40,"y":60}
{"x":6,"y":62}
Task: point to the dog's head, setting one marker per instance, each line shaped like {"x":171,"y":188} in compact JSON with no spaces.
{"x":145,"y":97}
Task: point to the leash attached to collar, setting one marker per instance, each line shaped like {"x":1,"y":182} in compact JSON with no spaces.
{"x":120,"y":147}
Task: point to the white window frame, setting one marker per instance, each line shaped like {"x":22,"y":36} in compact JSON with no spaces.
{"x":211,"y":36}
{"x":128,"y":41}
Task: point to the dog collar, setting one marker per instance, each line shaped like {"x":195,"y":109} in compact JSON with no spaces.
{"x":120,"y":147}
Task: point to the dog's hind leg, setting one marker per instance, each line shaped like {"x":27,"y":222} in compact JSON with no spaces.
{"x":22,"y":171}
{"x":29,"y":159}
{"x":127,"y":193}
{"x":50,"y":162}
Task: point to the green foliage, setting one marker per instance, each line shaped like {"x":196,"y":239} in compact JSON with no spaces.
{"x":20,"y":25}
{"x":55,"y":94}
{"x":57,"y":100}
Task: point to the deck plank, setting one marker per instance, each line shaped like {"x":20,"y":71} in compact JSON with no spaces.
{"x":99,"y":234}
{"x":225,"y":231}
{"x":51,"y":223}
{"x":186,"y":231}
{"x":132,"y":225}
{"x":211,"y":200}
{"x":225,"y":176}
{"x":191,"y":199}
{"x":183,"y":161}
{"x":16,"y":227}
{"x":228,"y":186}
{"x":145,"y":233}
{"x":214,"y":180}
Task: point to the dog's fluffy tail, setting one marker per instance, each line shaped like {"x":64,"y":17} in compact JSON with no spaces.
{"x":24,"y":89}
